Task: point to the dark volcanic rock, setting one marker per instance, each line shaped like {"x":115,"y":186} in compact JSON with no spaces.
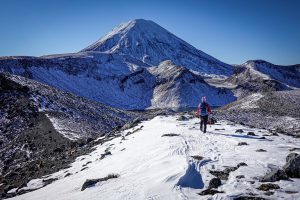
{"x":214,"y":183}
{"x":275,"y":175}
{"x":242,"y":164}
{"x":292,"y":166}
{"x":239,"y":131}
{"x":197,"y":157}
{"x":182,"y":118}
{"x":240,"y":176}
{"x":251,"y":133}
{"x":209,"y":192}
{"x":268,"y":186}
{"x":223,"y":175}
{"x":170,"y":135}
{"x":91,"y":182}
{"x":260,"y":150}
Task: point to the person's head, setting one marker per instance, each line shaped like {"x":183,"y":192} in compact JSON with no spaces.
{"x":203,"y":99}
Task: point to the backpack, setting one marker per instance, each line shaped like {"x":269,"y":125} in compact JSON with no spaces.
{"x":204,"y":109}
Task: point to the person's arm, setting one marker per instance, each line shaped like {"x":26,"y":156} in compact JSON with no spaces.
{"x":198,"y":111}
{"x":209,"y":109}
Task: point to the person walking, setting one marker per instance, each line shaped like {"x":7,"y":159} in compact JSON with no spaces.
{"x":203,"y":111}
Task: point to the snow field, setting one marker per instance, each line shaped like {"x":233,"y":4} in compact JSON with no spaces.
{"x":155,"y":167}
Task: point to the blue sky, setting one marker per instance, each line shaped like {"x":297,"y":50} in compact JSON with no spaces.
{"x":233,"y":31}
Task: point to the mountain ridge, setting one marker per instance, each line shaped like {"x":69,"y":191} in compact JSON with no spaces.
{"x":111,"y":73}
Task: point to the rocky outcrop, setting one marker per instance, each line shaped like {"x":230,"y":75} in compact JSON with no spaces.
{"x":275,"y":175}
{"x":292,"y":166}
{"x":91,"y":182}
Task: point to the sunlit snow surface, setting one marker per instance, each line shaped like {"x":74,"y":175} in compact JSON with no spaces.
{"x":155,"y":167}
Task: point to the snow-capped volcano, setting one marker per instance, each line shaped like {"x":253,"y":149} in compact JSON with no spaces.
{"x":128,"y":69}
{"x":147,"y":41}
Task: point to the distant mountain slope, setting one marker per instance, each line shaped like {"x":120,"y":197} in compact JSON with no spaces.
{"x":176,"y":86}
{"x":260,"y":76}
{"x":278,"y":110}
{"x":126,"y":88}
{"x":288,"y":75}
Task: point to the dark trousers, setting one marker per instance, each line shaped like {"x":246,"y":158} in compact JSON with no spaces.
{"x":203,"y":121}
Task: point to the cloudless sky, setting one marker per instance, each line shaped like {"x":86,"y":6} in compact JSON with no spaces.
{"x":233,"y":31}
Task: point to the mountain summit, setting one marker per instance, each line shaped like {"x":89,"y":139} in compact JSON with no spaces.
{"x":147,"y":41}
{"x":140,"y":65}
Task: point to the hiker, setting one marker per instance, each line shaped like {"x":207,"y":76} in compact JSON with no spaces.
{"x":203,"y":111}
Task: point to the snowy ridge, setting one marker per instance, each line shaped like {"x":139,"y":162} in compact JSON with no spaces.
{"x":121,"y":83}
{"x":74,"y":117}
{"x":163,"y":167}
{"x":180,"y":87}
{"x":287,"y":75}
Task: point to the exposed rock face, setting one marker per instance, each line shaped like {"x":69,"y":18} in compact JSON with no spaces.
{"x":292,"y":166}
{"x":275,"y":175}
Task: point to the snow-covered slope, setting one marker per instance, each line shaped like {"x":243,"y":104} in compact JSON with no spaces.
{"x":75,"y":117}
{"x":149,"y":42}
{"x":257,"y":76}
{"x":118,"y":82}
{"x":278,"y":110}
{"x":264,"y":75}
{"x":177,"y":86}
{"x":152,"y":165}
{"x":288,"y":75}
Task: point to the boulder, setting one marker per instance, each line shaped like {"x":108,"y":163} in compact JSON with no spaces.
{"x":89,"y":183}
{"x":251,"y":133}
{"x":214,"y":183}
{"x":275,"y":175}
{"x":292,"y":166}
{"x":240,"y":176}
{"x":242,"y":164}
{"x":209,"y":192}
{"x":239,"y":131}
{"x":182,"y":118}
{"x":260,"y":150}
